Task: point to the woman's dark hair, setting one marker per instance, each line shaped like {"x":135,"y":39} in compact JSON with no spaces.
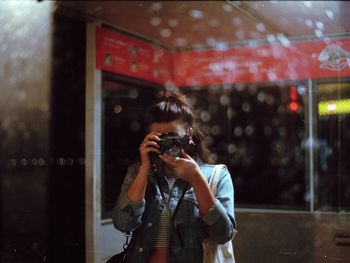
{"x":171,"y":106}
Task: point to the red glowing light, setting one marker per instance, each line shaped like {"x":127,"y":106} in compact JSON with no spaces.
{"x":293,"y":106}
{"x":293,"y":94}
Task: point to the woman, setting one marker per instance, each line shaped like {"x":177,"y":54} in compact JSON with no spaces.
{"x":165,"y":199}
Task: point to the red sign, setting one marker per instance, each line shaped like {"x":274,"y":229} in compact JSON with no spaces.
{"x":294,"y":61}
{"x":125,"y":55}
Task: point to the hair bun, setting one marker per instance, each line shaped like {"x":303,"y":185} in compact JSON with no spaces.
{"x":175,"y":96}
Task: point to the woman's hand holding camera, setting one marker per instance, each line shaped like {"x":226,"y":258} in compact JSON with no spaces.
{"x":137,"y":189}
{"x":148,"y":146}
{"x":185,"y":168}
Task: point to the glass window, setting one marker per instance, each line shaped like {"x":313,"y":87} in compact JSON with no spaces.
{"x":258,"y":132}
{"x":123,"y":130}
{"x":334,"y":146}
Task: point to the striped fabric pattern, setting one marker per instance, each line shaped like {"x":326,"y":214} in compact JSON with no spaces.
{"x":162,"y":239}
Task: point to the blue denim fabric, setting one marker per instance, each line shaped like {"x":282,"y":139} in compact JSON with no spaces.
{"x":190,"y":227}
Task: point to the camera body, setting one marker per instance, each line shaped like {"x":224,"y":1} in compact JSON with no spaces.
{"x":172,"y":143}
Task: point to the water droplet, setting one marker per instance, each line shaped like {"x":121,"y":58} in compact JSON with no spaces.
{"x":236,"y":21}
{"x":133,"y":94}
{"x":308,"y":4}
{"x":330,"y":14}
{"x":261,"y":96}
{"x":41,"y":161}
{"x":319,"y":25}
{"x":155,"y":21}
{"x":318,"y":33}
{"x":155,"y":7}
{"x":165,"y":32}
{"x":231,"y":148}
{"x":181,"y":42}
{"x":61,"y":161}
{"x":246,"y":107}
{"x":205,"y":116}
{"x":271,"y":38}
{"x":24,"y":162}
{"x":117,"y":109}
{"x":249,"y":130}
{"x":224,"y":100}
{"x":227,"y":8}
{"x":197,"y":14}
{"x":283,"y":39}
{"x":260,"y":27}
{"x":172,"y":22}
{"x":214,"y":22}
{"x":309,"y":23}
{"x":238,"y":131}
{"x":69,"y":161}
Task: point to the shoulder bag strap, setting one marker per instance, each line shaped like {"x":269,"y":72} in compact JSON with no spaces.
{"x":214,"y":177}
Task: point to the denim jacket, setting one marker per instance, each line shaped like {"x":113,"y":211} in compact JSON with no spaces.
{"x":189,"y":226}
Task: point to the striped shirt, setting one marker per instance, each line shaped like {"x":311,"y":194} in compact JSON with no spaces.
{"x":162,"y":239}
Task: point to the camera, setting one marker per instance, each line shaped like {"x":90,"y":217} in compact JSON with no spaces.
{"x":172,"y":143}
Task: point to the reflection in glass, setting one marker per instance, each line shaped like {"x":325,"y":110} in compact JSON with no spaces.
{"x":334,"y":150}
{"x":123,"y":129}
{"x":258,"y":132}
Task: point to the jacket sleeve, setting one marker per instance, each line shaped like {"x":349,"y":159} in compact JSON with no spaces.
{"x":126,"y":215}
{"x":219,"y":220}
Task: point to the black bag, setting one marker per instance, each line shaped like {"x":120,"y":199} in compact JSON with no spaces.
{"x":121,"y":257}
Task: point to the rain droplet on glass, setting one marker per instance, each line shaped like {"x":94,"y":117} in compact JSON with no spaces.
{"x":197,"y":14}
{"x":227,"y":8}
{"x":117,"y":109}
{"x":205,"y":116}
{"x":236,"y":21}
{"x":238,"y":131}
{"x":214,"y":22}
{"x":231,"y":148}
{"x":330,"y":14}
{"x":24,"y":162}
{"x":308,"y":4}
{"x":319,"y":25}
{"x":173,"y":22}
{"x":155,"y":7}
{"x":260,"y":27}
{"x":155,"y":21}
{"x":318,"y":33}
{"x":224,"y":100}
{"x":309,"y":23}
{"x":165,"y":32}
